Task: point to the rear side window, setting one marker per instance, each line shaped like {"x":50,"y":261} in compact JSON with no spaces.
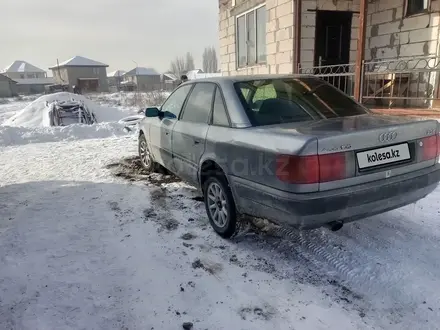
{"x":219,"y":116}
{"x":199,"y":104}
{"x":175,"y":102}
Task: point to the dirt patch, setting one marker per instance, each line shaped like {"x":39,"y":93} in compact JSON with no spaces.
{"x":159,"y":213}
{"x":188,"y":236}
{"x":131,"y":169}
{"x":211,"y":267}
{"x":164,"y":220}
{"x":259,"y":313}
{"x":123,"y":216}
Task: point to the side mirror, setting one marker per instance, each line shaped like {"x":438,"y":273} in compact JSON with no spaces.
{"x":152,"y":112}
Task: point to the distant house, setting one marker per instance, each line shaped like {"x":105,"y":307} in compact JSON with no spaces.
{"x":193,"y":73}
{"x":88,"y":75}
{"x":169,"y":80}
{"x":199,"y":74}
{"x":142,"y":79}
{"x":8,"y":87}
{"x":115,"y":78}
{"x":29,"y":78}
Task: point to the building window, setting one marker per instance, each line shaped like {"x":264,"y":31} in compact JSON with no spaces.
{"x":414,"y":7}
{"x":251,"y":37}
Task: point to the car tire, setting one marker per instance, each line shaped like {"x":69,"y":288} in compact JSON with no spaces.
{"x":218,"y":198}
{"x":147,"y":161}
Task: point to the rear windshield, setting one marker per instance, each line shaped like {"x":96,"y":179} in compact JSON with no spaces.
{"x":285,"y":100}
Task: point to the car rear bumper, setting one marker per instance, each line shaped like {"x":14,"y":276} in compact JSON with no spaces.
{"x":314,"y":210}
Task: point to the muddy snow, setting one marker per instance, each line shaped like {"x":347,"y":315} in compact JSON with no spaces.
{"x":89,"y":240}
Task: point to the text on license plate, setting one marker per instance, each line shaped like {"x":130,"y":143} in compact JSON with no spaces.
{"x":382,"y":156}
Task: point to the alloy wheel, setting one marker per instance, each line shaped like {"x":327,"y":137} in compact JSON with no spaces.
{"x":144,"y":153}
{"x":217,"y":205}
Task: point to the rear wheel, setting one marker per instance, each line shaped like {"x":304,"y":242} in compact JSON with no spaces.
{"x":220,"y":206}
{"x":145,"y":156}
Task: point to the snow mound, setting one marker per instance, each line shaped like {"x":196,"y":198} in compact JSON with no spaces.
{"x":10,"y":136}
{"x":36,"y":114}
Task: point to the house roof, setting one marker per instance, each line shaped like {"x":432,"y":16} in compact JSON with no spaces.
{"x":205,"y":75}
{"x":35,"y":81}
{"x":193,"y":73}
{"x":117,"y":73}
{"x":79,"y":61}
{"x":7,"y":78}
{"x":21,"y":66}
{"x":141,"y":71}
{"x":170,"y":76}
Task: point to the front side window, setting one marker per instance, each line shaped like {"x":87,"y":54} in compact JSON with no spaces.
{"x":251,"y":37}
{"x":175,"y":102}
{"x":414,"y":7}
{"x":199,"y":105}
{"x":276,"y":101}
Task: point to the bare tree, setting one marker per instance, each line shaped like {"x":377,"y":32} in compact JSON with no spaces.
{"x":189,"y":63}
{"x":214,"y":60}
{"x":210,"y":62}
{"x":178,"y":66}
{"x":205,"y":59}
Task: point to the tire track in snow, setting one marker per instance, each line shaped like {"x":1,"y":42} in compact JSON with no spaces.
{"x":375,"y":257}
{"x":374,"y":274}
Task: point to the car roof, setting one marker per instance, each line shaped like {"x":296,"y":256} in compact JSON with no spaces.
{"x":234,"y":79}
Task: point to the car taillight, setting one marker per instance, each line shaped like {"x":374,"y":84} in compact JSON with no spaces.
{"x":430,"y":147}
{"x":438,"y":145}
{"x":332,"y":167}
{"x":298,"y":169}
{"x":311,"y":169}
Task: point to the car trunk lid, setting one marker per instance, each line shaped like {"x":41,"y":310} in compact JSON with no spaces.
{"x":360,"y":149}
{"x":375,"y":147}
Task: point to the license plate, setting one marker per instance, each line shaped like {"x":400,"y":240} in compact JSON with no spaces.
{"x":383,"y":156}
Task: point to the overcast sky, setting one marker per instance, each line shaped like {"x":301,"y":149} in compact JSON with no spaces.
{"x":116,"y":32}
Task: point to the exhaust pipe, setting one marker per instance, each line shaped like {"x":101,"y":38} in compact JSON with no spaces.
{"x":335,"y":225}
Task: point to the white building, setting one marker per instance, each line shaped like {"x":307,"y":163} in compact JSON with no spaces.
{"x":326,"y":37}
{"x":29,"y":78}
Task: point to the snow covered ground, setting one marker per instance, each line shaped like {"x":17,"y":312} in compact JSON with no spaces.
{"x":90,"y":241}
{"x":28,"y":122}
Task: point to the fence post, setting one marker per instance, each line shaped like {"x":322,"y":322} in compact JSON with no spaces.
{"x":361,"y":94}
{"x":360,"y":49}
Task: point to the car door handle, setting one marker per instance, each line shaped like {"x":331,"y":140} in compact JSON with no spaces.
{"x":196,"y":141}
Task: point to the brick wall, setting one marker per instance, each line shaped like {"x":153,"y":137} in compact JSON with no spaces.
{"x":279,"y":37}
{"x":391,"y":35}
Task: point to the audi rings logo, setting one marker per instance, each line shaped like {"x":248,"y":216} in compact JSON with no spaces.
{"x":388,"y":136}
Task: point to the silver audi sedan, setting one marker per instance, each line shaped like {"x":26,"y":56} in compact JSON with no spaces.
{"x":293,"y":150}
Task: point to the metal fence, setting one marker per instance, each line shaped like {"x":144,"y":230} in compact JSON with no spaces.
{"x":405,"y":82}
{"x":341,"y":76}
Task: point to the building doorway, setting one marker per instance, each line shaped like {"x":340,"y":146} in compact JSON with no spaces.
{"x":88,"y":85}
{"x":332,"y":47}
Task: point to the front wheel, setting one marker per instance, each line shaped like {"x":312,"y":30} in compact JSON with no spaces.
{"x":145,"y":155}
{"x":220,"y":206}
